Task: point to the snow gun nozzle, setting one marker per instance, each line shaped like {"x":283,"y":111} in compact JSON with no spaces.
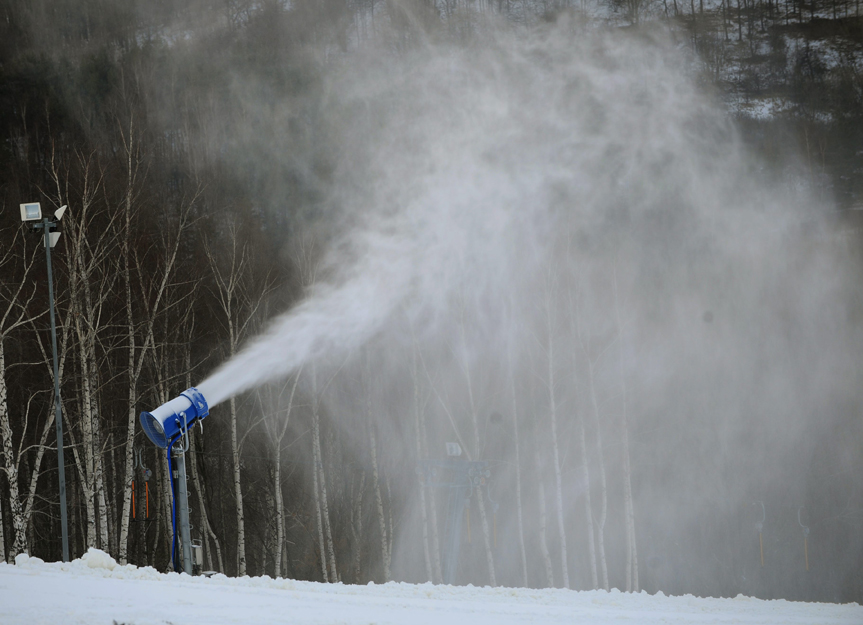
{"x":167,"y":422}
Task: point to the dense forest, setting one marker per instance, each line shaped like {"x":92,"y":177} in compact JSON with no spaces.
{"x":203,"y":149}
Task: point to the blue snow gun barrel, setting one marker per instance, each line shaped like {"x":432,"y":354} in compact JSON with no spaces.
{"x":172,"y":418}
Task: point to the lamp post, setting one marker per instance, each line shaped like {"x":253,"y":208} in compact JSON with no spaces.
{"x":32,"y":213}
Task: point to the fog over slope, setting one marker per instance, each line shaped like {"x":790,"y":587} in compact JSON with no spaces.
{"x":570,"y":220}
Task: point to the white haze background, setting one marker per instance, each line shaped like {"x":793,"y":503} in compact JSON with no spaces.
{"x":506,"y":219}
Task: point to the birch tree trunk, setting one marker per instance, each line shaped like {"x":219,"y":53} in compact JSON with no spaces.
{"x":90,"y":284}
{"x":435,"y":537}
{"x":208,"y":534}
{"x":588,"y":508}
{"x":629,"y":512}
{"x":9,"y":321}
{"x":128,"y":465}
{"x":434,"y":528}
{"x":543,"y":540}
{"x":2,"y":534}
{"x":37,"y":468}
{"x":600,"y":524}
{"x":325,"y":509}
{"x":276,"y":431}
{"x":134,"y":372}
{"x":88,"y":477}
{"x":98,"y":459}
{"x":575,"y":318}
{"x":357,"y":524}
{"x":238,"y":492}
{"x":10,"y":467}
{"x":316,"y":461}
{"x":419,"y":454}
{"x":104,"y":539}
{"x":518,"y":502}
{"x":239,"y":307}
{"x":486,"y":534}
{"x":389,"y":519}
{"x":554,"y":445}
{"x":385,"y":552}
{"x":279,"y":510}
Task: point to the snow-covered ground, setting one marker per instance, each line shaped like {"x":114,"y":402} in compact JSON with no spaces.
{"x":95,"y":590}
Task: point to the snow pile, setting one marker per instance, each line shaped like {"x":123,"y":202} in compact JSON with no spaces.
{"x":98,"y":559}
{"x":94,"y":563}
{"x":95,"y":589}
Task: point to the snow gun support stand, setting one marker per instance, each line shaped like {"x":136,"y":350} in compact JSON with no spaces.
{"x":459,"y":477}
{"x":168,"y":426}
{"x":180,"y":491}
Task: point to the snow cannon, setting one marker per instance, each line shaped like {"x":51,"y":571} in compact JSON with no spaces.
{"x":168,"y":421}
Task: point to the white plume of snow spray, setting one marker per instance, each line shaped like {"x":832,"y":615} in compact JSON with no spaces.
{"x":464,"y":172}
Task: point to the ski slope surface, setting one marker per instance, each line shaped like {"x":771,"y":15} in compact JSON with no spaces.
{"x":96,"y":590}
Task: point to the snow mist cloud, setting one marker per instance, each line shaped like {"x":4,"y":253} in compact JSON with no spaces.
{"x":467,"y":175}
{"x":559,"y":234}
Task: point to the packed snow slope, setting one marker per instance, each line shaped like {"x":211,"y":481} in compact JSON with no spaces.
{"x":95,"y":590}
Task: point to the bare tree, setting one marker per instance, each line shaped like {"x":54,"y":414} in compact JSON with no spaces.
{"x":386,"y":554}
{"x":629,"y":511}
{"x":15,"y":314}
{"x":517,"y":441}
{"x":543,"y":526}
{"x":90,"y":240}
{"x":603,"y":515}
{"x":276,"y":422}
{"x":320,"y":487}
{"x":550,"y":292}
{"x":153,"y":287}
{"x":197,"y":481}
{"x":2,"y":536}
{"x":418,"y":418}
{"x":357,"y":523}
{"x":238,"y":302}
{"x":486,"y":534}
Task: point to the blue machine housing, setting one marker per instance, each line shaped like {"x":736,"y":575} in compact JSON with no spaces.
{"x":170,"y":419}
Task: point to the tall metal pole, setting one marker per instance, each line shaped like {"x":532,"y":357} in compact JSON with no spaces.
{"x":58,"y":415}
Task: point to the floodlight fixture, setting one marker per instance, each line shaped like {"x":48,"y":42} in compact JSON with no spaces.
{"x":58,"y":214}
{"x":31,"y":211}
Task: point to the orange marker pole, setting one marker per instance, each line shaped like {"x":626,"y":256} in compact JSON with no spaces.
{"x":147,"y":511}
